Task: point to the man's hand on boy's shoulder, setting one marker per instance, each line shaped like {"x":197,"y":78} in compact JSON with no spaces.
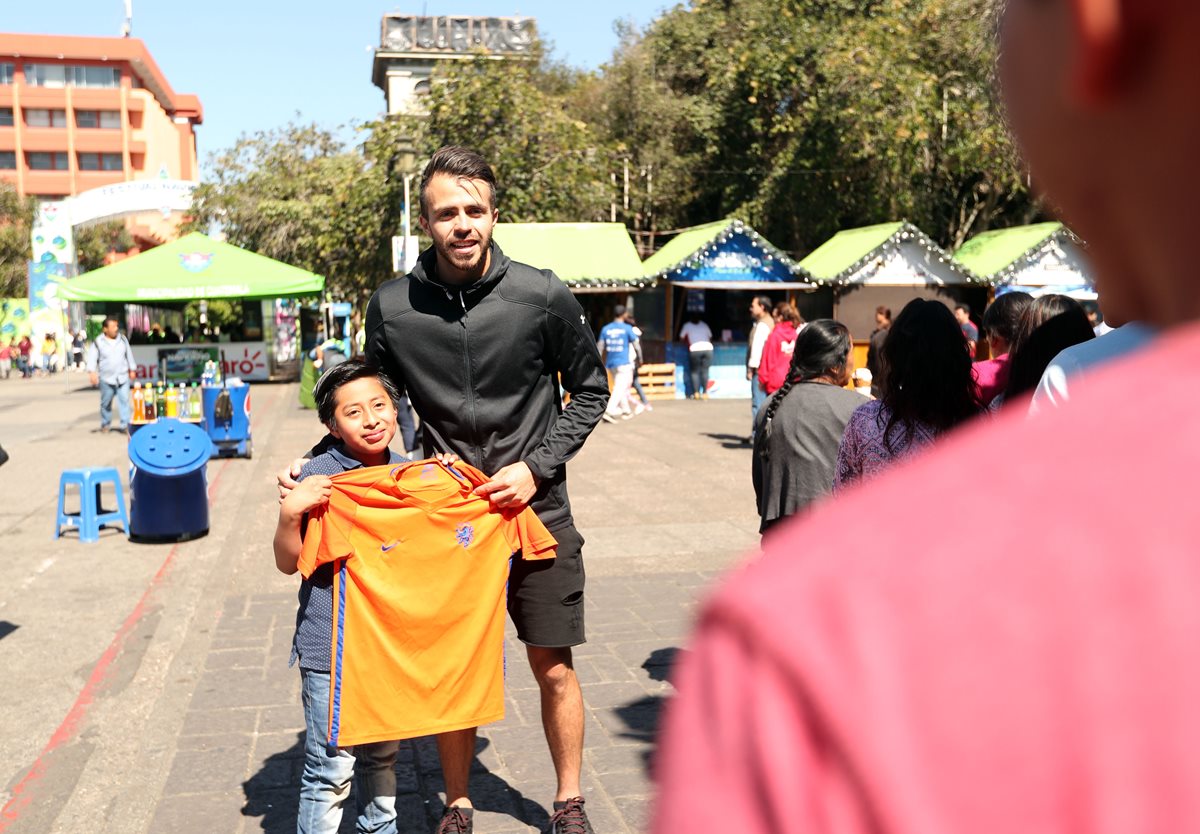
{"x":313,"y":491}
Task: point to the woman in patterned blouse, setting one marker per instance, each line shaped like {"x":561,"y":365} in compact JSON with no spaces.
{"x":927,"y":390}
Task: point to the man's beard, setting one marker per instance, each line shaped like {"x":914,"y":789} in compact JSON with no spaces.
{"x":447,"y":251}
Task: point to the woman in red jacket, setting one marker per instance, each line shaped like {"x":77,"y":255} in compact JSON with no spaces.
{"x":777,"y":352}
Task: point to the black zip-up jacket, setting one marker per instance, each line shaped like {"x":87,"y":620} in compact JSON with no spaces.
{"x":481,"y":364}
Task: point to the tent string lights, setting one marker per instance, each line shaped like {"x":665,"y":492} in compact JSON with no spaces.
{"x":764,"y":249}
{"x":1031,"y":258}
{"x":906,"y":233}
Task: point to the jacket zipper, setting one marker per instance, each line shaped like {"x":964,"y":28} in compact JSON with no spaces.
{"x":466,"y":341}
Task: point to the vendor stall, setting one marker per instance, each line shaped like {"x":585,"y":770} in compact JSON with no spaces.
{"x":196,"y":268}
{"x":1039,"y":259}
{"x":715,"y":270}
{"x":597,"y":261}
{"x":887,"y":266}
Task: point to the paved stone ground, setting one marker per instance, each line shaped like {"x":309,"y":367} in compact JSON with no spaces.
{"x":152,"y":689}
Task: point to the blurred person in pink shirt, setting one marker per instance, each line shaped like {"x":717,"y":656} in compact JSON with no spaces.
{"x":1022,"y":655}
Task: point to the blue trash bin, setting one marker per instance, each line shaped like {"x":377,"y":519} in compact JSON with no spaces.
{"x":230,"y":437}
{"x":168,"y":482}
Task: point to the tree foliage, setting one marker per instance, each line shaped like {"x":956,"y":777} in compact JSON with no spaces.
{"x":16,"y":247}
{"x":807,"y":116}
{"x":300,"y":195}
{"x":550,"y":162}
{"x":93,"y":243}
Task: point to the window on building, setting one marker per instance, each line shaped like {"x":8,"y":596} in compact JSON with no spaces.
{"x":6,"y":117}
{"x":8,"y":160}
{"x":100,"y":162}
{"x":60,"y":75}
{"x":41,"y":117}
{"x":7,"y":72}
{"x":47,"y":160}
{"x":45,"y":75}
{"x":98,"y":118}
{"x":94,"y":76}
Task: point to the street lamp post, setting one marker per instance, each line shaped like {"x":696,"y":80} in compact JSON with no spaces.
{"x":406,"y":258}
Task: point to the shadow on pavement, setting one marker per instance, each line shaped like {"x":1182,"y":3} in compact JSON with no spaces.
{"x":729,"y":441}
{"x":660,"y":662}
{"x":273,"y":793}
{"x":642,"y":716}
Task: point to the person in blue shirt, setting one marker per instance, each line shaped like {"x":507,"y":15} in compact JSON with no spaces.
{"x":616,"y":342}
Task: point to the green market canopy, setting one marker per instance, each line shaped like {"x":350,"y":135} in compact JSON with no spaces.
{"x":1045,"y":255}
{"x":588,"y":257}
{"x":888,"y":255}
{"x":725,"y":255}
{"x":192,"y":267}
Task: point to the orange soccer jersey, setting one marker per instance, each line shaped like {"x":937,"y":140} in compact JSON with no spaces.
{"x":421,"y":569}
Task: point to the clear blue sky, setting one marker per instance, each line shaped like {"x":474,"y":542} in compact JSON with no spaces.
{"x":255,"y":64}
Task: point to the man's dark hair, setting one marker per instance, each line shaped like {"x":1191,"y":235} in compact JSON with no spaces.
{"x":962,"y":305}
{"x":458,"y":162}
{"x":325,"y":391}
{"x":618,"y":311}
{"x":1002,"y":318}
{"x":107,"y":319}
{"x":884,"y":311}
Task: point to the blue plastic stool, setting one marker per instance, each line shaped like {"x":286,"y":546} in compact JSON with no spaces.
{"x":90,"y":518}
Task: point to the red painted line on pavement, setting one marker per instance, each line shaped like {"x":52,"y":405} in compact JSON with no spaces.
{"x":69,"y":728}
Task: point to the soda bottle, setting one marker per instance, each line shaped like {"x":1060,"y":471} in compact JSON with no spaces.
{"x":172,"y":401}
{"x":139,"y":404}
{"x":197,"y":403}
{"x":160,"y":401}
{"x":148,"y":404}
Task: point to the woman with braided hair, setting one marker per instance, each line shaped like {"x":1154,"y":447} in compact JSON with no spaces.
{"x":797,"y":435}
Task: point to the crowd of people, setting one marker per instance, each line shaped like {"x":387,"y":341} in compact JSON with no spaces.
{"x":29,"y":359}
{"x":816,"y":436}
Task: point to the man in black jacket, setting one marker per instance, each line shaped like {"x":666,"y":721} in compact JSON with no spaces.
{"x":480,"y":344}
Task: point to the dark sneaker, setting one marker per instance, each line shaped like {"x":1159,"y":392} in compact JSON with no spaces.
{"x":457,"y":820}
{"x":570,"y":818}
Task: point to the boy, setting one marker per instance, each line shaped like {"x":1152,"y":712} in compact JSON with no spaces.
{"x":358,"y":405}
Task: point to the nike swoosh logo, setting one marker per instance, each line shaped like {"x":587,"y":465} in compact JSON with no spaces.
{"x":386,"y":547}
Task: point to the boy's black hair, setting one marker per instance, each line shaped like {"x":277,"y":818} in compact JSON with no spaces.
{"x":325,"y":391}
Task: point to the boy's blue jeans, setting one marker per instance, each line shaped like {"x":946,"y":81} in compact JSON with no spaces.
{"x":325,"y":783}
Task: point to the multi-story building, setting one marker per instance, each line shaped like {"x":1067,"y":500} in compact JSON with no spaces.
{"x":411,"y":46}
{"x":77,"y":113}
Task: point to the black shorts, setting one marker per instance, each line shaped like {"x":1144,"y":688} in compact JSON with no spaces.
{"x":545,"y":596}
